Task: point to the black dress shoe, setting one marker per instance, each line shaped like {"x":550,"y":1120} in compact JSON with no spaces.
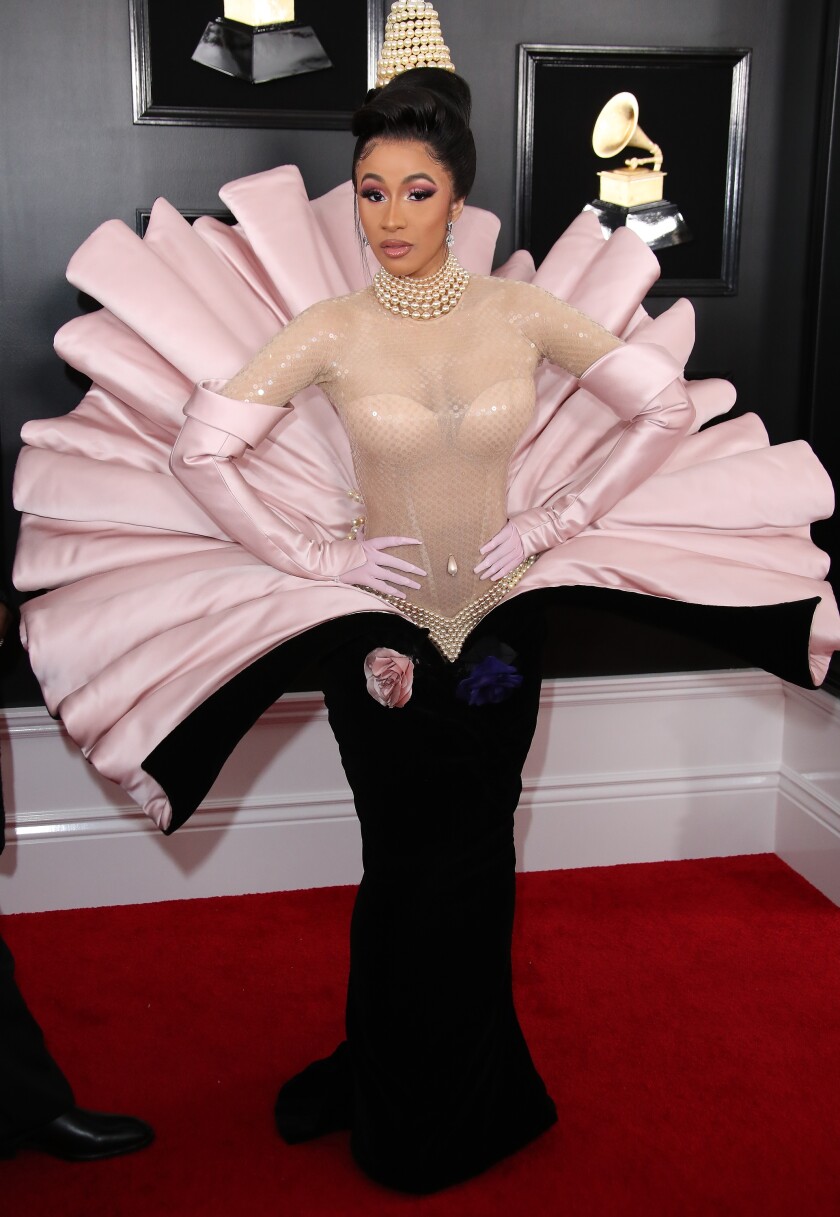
{"x":318,"y":1100}
{"x":84,"y":1136}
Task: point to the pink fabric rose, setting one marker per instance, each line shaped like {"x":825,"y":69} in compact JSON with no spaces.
{"x":390,"y":677}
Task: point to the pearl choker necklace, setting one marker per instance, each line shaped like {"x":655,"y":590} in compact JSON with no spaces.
{"x":422,"y":298}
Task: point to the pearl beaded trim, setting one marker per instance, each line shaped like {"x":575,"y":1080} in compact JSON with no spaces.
{"x":450,"y":633}
{"x":422,"y":298}
{"x":413,"y":39}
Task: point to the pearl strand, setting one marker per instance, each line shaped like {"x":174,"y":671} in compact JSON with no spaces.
{"x":422,"y":298}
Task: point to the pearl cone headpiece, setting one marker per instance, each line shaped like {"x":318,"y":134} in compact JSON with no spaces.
{"x":413,"y":39}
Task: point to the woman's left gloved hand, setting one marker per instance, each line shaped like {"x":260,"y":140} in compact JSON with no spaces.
{"x":503,"y":553}
{"x":641,"y":384}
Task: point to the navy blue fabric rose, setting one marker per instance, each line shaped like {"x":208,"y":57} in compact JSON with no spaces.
{"x":490,"y":677}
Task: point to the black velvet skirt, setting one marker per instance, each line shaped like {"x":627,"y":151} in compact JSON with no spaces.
{"x":443,"y":1081}
{"x":443,"y":1084}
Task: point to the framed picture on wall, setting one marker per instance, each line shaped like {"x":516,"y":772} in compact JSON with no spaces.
{"x":142,"y":215}
{"x":692,"y":102}
{"x":170,"y":89}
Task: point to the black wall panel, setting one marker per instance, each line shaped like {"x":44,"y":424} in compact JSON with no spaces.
{"x":72,"y":157}
{"x":822,"y":318}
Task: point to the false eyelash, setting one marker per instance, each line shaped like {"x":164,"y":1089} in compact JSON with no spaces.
{"x":417,"y":194}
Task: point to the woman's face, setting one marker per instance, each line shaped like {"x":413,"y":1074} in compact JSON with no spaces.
{"x":405,"y":199}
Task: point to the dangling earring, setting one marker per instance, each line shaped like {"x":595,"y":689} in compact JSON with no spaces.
{"x":450,"y":239}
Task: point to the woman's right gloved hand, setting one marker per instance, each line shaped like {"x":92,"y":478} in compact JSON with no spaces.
{"x":216,"y":432}
{"x":380,"y":568}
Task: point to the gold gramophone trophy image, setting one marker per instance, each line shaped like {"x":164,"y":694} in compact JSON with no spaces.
{"x":633,"y":195}
{"x":259,"y":40}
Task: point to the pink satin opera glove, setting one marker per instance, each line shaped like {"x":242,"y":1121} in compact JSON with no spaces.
{"x":642,"y":384}
{"x":216,"y":432}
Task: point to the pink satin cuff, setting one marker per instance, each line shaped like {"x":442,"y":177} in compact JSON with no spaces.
{"x":248,"y":421}
{"x":204,"y":462}
{"x":630,"y":375}
{"x":623,"y":380}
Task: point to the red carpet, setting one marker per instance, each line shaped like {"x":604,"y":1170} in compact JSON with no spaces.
{"x":685,"y":1016}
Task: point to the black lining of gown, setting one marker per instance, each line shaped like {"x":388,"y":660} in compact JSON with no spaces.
{"x":187,"y":762}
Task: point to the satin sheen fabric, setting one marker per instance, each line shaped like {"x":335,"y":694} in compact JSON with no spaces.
{"x":153,"y":608}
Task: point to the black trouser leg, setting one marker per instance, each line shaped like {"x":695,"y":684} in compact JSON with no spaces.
{"x":33,"y":1090}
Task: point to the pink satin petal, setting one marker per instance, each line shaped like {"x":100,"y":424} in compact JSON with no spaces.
{"x":335,"y":215}
{"x":746,"y":433}
{"x":63,"y":553}
{"x":711,"y":399}
{"x":108,"y":351}
{"x":197,"y":264}
{"x":673,"y":330}
{"x":768,"y":489}
{"x":519,"y":266}
{"x":570,"y":258}
{"x":476,"y":233}
{"x":231,"y":245}
{"x":69,"y":487}
{"x":116,"y":268}
{"x":103,"y":428}
{"x":274,"y":211}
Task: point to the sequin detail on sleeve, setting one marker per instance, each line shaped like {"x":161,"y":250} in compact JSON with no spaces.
{"x":561,"y":333}
{"x":302,"y":354}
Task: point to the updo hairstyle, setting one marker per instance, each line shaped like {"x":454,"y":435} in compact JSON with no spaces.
{"x":427,"y":104}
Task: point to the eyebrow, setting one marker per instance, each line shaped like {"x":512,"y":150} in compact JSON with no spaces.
{"x":412,"y":177}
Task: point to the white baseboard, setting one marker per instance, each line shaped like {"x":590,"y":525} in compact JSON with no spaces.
{"x":623,"y":769}
{"x":808,"y":813}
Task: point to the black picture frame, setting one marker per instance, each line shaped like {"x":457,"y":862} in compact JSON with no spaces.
{"x":169,"y":89}
{"x":692,"y":101}
{"x":142,"y":215}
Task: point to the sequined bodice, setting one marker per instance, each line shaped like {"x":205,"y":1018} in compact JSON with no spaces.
{"x":433,"y":410}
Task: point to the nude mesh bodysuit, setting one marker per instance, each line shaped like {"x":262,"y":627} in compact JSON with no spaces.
{"x":433,"y":410}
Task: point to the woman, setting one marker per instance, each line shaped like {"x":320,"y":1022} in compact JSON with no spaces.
{"x":429,"y":648}
{"x":437,"y":1075}
{"x":432,"y":374}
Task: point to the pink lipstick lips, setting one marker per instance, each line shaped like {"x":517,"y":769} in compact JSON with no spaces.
{"x":395,"y":249}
